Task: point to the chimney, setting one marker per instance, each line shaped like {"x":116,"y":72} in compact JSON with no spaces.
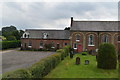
{"x":71,"y":21}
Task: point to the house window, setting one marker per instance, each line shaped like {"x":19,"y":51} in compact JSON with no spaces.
{"x":30,"y":44}
{"x":91,"y":40}
{"x":25,"y":35}
{"x":75,"y":45}
{"x":119,"y":38}
{"x":52,"y":44}
{"x":105,"y":38}
{"x":77,"y":37}
{"x":65,"y":43}
{"x":45,"y":35}
{"x":41,"y":44}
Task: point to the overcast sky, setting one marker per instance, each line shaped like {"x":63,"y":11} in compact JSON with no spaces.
{"x":55,"y":15}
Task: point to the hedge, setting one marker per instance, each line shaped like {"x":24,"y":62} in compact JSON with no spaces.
{"x":41,"y":68}
{"x":9,"y":44}
{"x":20,"y":73}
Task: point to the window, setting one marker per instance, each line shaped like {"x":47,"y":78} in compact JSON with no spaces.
{"x":77,"y":37}
{"x":25,"y":35}
{"x":118,"y":38}
{"x":91,"y":40}
{"x":105,"y":38}
{"x":65,"y":43}
{"x":30,"y":44}
{"x":41,"y":44}
{"x":45,"y":35}
{"x":75,"y":45}
{"x":52,"y":44}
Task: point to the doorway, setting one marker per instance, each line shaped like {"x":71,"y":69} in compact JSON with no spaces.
{"x":25,"y":45}
{"x":79,"y":48}
{"x":58,"y":46}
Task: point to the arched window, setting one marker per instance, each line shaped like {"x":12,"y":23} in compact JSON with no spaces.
{"x":41,"y":44}
{"x":75,"y":45}
{"x":91,"y":40}
{"x":119,"y":38}
{"x":77,"y":37}
{"x":105,"y":38}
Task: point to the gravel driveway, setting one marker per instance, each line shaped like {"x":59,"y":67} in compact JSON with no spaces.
{"x":14,"y":59}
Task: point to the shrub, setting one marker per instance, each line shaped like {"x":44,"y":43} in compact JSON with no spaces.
{"x":20,"y":73}
{"x":43,"y":67}
{"x":63,"y":54}
{"x":67,"y":50}
{"x":106,"y":58}
{"x":84,"y":53}
{"x":10,"y":44}
{"x":37,"y":69}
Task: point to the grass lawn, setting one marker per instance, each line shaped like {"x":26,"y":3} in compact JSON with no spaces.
{"x":68,"y":69}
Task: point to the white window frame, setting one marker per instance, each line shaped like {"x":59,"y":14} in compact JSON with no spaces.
{"x":91,"y":40}
{"x":45,"y":35}
{"x":30,"y":45}
{"x":53,"y":45}
{"x":74,"y":46}
{"x":27,"y":35}
{"x":40,"y":44}
{"x":77,"y":37}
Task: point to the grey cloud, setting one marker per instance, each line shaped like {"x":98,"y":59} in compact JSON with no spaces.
{"x":38,"y":14}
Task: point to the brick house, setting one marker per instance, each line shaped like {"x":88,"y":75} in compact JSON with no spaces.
{"x":37,"y":39}
{"x":82,"y":36}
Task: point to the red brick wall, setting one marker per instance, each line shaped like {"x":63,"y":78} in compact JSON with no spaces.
{"x":97,"y":41}
{"x":36,"y":42}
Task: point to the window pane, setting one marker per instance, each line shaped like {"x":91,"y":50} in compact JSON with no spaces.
{"x":52,"y":44}
{"x":41,"y":44}
{"x":91,"y":40}
{"x":118,"y":38}
{"x":105,"y":38}
{"x":75,"y":45}
{"x":65,"y":43}
{"x":30,"y":44}
{"x":78,"y":37}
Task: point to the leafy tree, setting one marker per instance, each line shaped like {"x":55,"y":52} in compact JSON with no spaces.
{"x":11,"y":33}
{"x":21,"y":32}
{"x":10,"y":38}
{"x":16,"y":34}
{"x":67,"y":28}
{"x":2,"y":37}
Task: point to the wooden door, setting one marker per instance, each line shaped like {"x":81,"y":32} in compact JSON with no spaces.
{"x":79,"y":48}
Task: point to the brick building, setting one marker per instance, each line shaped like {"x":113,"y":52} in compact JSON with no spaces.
{"x":82,"y":36}
{"x":37,"y":39}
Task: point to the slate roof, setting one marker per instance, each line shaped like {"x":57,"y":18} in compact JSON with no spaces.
{"x":95,"y":25}
{"x":52,"y":34}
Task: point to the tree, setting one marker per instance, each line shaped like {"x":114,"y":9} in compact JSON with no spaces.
{"x":106,"y":57}
{"x":16,"y":34}
{"x":21,"y":32}
{"x":10,"y":38}
{"x":67,"y":28}
{"x":11,"y":31}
